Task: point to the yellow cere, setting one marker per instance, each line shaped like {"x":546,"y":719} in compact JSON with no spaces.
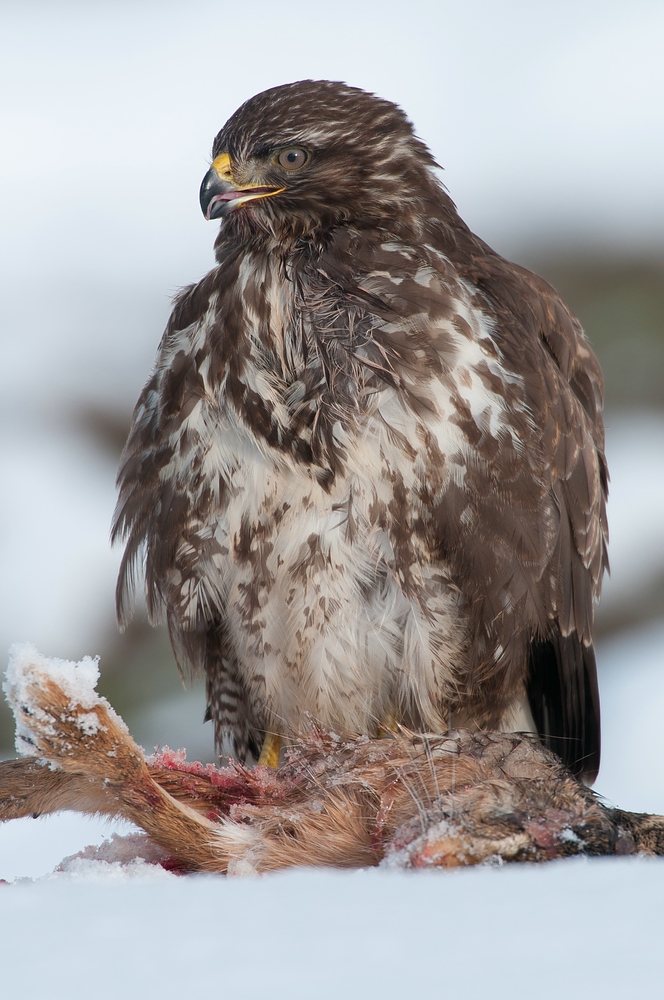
{"x":222,"y":164}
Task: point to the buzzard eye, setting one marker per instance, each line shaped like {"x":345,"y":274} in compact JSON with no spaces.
{"x":292,"y":158}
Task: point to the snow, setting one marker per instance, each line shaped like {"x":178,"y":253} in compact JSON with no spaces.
{"x":632,"y":694}
{"x":576,"y":929}
{"x":55,"y":511}
{"x":635,"y":453}
{"x":25,"y":672}
{"x":95,"y":869}
{"x":132,"y":855}
{"x":78,"y":681}
{"x":33,"y":848}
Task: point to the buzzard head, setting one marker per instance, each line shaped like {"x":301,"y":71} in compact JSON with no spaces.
{"x":308,"y":156}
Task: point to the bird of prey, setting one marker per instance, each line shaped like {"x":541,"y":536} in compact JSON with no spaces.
{"x":366,"y":479}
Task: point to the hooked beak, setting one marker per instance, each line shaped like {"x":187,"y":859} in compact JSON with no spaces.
{"x":220,"y":194}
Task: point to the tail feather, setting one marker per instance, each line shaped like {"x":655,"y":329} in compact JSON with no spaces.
{"x":564,"y":699}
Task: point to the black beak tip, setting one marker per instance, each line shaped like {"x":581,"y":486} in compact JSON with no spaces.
{"x":213,"y":206}
{"x":211,"y":186}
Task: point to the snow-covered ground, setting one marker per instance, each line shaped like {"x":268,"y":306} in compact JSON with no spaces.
{"x":574,"y":930}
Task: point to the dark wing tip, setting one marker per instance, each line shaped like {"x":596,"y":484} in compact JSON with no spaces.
{"x":564,"y":699}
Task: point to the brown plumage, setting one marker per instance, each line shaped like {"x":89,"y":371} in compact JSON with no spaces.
{"x":407,"y":800}
{"x":367,"y":475}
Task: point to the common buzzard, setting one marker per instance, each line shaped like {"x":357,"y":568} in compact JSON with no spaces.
{"x":367,"y":475}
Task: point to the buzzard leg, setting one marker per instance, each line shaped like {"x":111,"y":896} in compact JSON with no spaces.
{"x":271,"y":750}
{"x":389,"y":724}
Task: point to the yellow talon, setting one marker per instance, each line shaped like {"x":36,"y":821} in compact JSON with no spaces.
{"x":271,"y":749}
{"x":390,"y":724}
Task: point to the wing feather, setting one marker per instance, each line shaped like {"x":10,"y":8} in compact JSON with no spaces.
{"x":526,"y":533}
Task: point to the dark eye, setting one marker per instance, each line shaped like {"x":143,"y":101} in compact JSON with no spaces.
{"x":292,"y":158}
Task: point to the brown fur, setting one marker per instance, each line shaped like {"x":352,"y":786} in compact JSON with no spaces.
{"x":410,"y":799}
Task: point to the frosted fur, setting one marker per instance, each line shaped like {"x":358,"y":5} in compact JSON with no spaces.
{"x":406,"y":800}
{"x":26,"y":671}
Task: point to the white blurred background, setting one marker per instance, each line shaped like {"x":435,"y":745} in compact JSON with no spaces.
{"x":548,"y":119}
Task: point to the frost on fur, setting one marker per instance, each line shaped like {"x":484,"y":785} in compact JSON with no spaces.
{"x":406,"y":800}
{"x":29,"y":672}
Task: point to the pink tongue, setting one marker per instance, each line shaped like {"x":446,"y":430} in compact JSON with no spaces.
{"x":232,"y":195}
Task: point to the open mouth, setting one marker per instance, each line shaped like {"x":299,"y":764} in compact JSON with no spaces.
{"x":220,"y":204}
{"x":220,"y":194}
